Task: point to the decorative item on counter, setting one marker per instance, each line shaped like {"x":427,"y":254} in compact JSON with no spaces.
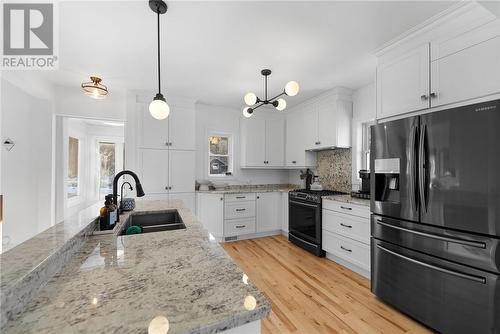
{"x":307,"y":176}
{"x":204,"y":185}
{"x":107,"y":214}
{"x":126,"y":204}
{"x":316,"y":185}
{"x":220,"y":186}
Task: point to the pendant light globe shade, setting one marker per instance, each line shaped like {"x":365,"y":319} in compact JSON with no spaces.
{"x":292,"y":88}
{"x":247,"y":112}
{"x":158,"y":108}
{"x":250,"y":99}
{"x":281,"y":104}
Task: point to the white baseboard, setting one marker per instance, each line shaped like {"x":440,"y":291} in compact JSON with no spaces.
{"x":357,"y":269}
{"x":254,"y":235}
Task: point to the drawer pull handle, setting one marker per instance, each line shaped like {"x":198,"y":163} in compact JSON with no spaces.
{"x":240,"y":226}
{"x":348,"y":226}
{"x":345,"y":207}
{"x":238,"y":210}
{"x":346,"y":249}
{"x":474,"y":278}
{"x":240,"y":197}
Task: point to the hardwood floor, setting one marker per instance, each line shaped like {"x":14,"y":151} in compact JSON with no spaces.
{"x":314,"y":295}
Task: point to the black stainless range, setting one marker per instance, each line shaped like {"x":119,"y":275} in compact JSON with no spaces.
{"x":304,"y":218}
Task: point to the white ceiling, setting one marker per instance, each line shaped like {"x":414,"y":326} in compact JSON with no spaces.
{"x":214,"y":51}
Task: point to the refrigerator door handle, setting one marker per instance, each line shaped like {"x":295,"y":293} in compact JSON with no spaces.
{"x":421,"y":167}
{"x":413,"y":164}
{"x":464,"y":242}
{"x":478,"y":279}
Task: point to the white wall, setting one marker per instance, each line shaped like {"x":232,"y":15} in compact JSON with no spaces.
{"x":27,"y":174}
{"x":364,"y":110}
{"x":71,"y":101}
{"x":227,"y":120}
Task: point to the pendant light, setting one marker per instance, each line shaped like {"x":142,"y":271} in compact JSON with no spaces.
{"x":291,"y":89}
{"x":95,"y":89}
{"x":158,"y":108}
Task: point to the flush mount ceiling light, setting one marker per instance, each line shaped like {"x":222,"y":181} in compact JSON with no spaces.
{"x":158,"y":108}
{"x":254,"y":102}
{"x":95,"y":89}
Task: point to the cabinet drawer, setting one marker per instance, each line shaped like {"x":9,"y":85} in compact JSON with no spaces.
{"x":239,"y":226}
{"x":350,"y":250}
{"x":239,"y":197}
{"x":347,"y":208}
{"x":350,"y":226}
{"x":239,"y":210}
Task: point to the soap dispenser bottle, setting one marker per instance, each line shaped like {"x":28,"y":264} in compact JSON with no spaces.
{"x":107,"y":214}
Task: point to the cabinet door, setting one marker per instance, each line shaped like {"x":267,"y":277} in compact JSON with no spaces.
{"x":467,"y":74}
{"x":153,"y":133}
{"x":295,"y":147}
{"x":187,"y":198}
{"x":327,"y":126}
{"x":154,"y":170}
{"x":403,"y":83}
{"x":275,"y":142}
{"x":181,"y":128}
{"x":181,"y":171}
{"x":268,"y":212}
{"x":310,"y":129}
{"x":254,"y":141}
{"x":211,"y":213}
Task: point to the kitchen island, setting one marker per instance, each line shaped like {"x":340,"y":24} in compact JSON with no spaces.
{"x":177,"y":281}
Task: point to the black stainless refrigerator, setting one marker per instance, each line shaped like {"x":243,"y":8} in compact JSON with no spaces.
{"x":435,"y":223}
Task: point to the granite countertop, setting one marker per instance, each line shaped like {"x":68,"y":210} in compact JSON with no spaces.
{"x":348,"y":199}
{"x":127,"y":284}
{"x":252,"y":189}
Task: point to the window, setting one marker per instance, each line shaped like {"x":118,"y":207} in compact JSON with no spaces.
{"x":220,"y":155}
{"x":107,"y":167}
{"x":365,"y":149}
{"x":72,"y":184}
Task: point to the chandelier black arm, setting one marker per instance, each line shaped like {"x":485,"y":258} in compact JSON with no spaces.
{"x":257,"y":106}
{"x":274,"y":98}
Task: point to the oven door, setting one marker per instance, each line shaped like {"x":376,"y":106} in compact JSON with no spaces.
{"x":304,"y":220}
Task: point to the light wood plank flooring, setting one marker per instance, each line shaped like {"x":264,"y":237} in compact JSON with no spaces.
{"x":314,"y":295}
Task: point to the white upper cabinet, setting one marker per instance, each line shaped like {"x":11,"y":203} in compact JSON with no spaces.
{"x":263,"y":141}
{"x":174,"y":132}
{"x":469,"y":66}
{"x":454,"y":59}
{"x":275,"y":142}
{"x":310,"y":127}
{"x":296,"y":155}
{"x":403,"y":83}
{"x":181,"y":128}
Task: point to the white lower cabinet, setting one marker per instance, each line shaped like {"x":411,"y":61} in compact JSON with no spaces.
{"x":188,"y":199}
{"x":240,"y":216}
{"x":346,"y":234}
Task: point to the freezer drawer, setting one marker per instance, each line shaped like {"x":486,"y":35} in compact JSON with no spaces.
{"x":473,"y":250}
{"x":445,"y":296}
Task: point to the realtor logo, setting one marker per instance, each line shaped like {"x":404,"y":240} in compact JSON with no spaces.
{"x":28,"y":36}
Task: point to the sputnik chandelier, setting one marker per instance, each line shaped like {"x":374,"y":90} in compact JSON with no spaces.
{"x":254,"y":102}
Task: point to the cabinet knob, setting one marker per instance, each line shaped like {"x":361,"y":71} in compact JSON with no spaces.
{"x":222,"y":198}
{"x":317,"y":143}
{"x":294,"y":162}
{"x":433,"y":95}
{"x":423,"y":97}
{"x":166,"y":187}
{"x":258,"y":197}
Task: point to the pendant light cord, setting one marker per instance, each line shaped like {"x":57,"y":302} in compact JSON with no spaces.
{"x":158,"y":20}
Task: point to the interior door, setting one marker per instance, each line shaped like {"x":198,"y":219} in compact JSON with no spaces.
{"x":393,"y":169}
{"x":461,"y":163}
{"x":403,"y":83}
{"x":275,"y":142}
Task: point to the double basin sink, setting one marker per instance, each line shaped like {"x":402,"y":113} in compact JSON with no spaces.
{"x":154,"y":221}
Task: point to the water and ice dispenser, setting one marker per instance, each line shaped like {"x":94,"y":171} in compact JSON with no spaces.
{"x":387,"y":180}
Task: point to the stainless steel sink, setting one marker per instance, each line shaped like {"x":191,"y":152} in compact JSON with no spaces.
{"x":154,"y":221}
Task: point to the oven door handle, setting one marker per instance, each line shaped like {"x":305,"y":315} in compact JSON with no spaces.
{"x":478,"y":279}
{"x":312,"y":206}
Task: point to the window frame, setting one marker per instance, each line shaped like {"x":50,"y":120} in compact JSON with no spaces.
{"x":229,"y":155}
{"x":365,"y":144}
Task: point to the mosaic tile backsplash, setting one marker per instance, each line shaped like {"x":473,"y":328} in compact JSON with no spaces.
{"x":334,"y":169}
